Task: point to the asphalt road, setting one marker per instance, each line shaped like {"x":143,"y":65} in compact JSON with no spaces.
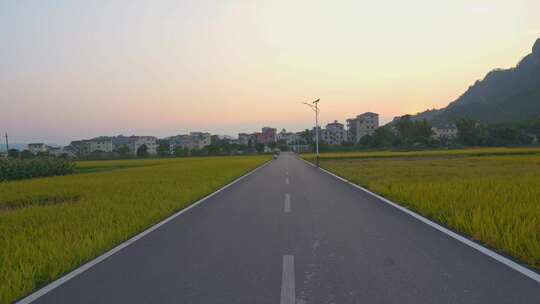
{"x":290,"y":233}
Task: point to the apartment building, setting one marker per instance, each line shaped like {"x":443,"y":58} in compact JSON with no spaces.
{"x":290,"y":138}
{"x":334,"y":133}
{"x":195,"y":140}
{"x":83,"y":147}
{"x":100,"y":144}
{"x":267,"y":136}
{"x":362,"y":125}
{"x":149,"y":141}
{"x":201,"y":139}
{"x":133,"y":143}
{"x":245,"y":138}
{"x":36,"y":148}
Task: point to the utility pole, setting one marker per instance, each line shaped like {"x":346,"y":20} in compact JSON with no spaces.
{"x":7,"y":142}
{"x":315,"y":107}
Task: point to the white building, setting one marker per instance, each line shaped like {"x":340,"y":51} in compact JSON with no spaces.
{"x":290,"y":138}
{"x":364,"y":124}
{"x":445,"y":132}
{"x":201,"y":139}
{"x":334,"y":134}
{"x":99,"y":144}
{"x":149,"y":141}
{"x":36,"y":148}
{"x":83,"y":147}
{"x":195,"y":140}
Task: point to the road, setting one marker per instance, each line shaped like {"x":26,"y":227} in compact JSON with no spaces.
{"x":289,"y":233}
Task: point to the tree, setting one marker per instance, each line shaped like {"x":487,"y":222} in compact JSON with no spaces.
{"x":259,"y":147}
{"x":366,"y":141}
{"x":43,"y":154}
{"x":470,"y":132}
{"x":123,"y":151}
{"x":413,"y":132}
{"x":26,"y":154}
{"x":14,"y":153}
{"x":384,"y":137}
{"x":164,"y":147}
{"x":181,"y":151}
{"x":142,"y":151}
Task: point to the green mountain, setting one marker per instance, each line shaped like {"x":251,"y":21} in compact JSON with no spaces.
{"x":504,"y":95}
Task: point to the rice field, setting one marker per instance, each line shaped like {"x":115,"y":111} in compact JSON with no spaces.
{"x":491,"y":195}
{"x":49,"y":226}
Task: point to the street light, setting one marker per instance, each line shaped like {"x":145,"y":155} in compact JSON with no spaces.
{"x":315,"y":107}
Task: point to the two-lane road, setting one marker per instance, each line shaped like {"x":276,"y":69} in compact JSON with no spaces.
{"x":290,"y":233}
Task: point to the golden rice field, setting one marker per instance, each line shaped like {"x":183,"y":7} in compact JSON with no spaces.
{"x":491,"y":195}
{"x":49,"y":226}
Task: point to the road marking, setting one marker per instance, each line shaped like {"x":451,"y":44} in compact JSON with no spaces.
{"x":287,"y":207}
{"x":286,"y":181}
{"x":58,"y":282}
{"x":492,"y":254}
{"x":288,"y":295}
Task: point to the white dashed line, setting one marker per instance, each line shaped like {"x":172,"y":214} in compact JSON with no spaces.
{"x":287,"y":207}
{"x":288,"y":295}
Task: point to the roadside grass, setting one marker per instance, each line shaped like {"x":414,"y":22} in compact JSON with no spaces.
{"x":50,"y":226}
{"x":494,"y":199}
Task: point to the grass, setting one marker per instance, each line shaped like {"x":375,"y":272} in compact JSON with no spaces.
{"x":50,"y":226}
{"x":491,"y":195}
{"x":431,"y":153}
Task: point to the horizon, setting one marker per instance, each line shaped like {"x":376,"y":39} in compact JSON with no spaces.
{"x":77,"y":70}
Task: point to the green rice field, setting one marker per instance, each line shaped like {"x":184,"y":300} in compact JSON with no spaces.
{"x":491,"y":195}
{"x":49,"y":226}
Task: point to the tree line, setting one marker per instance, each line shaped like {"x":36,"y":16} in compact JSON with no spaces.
{"x":407,"y":133}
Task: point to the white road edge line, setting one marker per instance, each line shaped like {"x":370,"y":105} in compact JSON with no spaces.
{"x":288,"y":295}
{"x":58,"y":282}
{"x":286,"y":181}
{"x":287,"y":207}
{"x":504,"y":260}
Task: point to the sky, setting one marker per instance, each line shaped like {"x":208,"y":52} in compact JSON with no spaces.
{"x":78,"y":69}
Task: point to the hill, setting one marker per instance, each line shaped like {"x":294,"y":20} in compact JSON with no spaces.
{"x":504,"y":95}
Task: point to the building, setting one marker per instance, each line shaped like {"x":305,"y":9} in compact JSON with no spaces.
{"x":111,"y":144}
{"x":195,"y":140}
{"x":36,"y":148}
{"x":334,"y":134}
{"x":100,"y":144}
{"x":61,"y":151}
{"x":362,"y":125}
{"x":133,"y":143}
{"x":289,"y":138}
{"x":267,"y":136}
{"x":201,"y":139}
{"x":445,"y":132}
{"x":87,"y":146}
{"x":149,"y":141}
{"x":245,"y":139}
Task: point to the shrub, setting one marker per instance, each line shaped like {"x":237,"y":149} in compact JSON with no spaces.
{"x":14,"y":169}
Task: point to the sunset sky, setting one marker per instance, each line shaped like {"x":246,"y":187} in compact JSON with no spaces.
{"x":79,"y":69}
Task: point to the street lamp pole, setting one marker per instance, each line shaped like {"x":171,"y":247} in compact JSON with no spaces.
{"x":7,"y":142}
{"x":315,"y":107}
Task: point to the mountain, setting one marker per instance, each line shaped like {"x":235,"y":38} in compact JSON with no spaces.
{"x":504,"y":95}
